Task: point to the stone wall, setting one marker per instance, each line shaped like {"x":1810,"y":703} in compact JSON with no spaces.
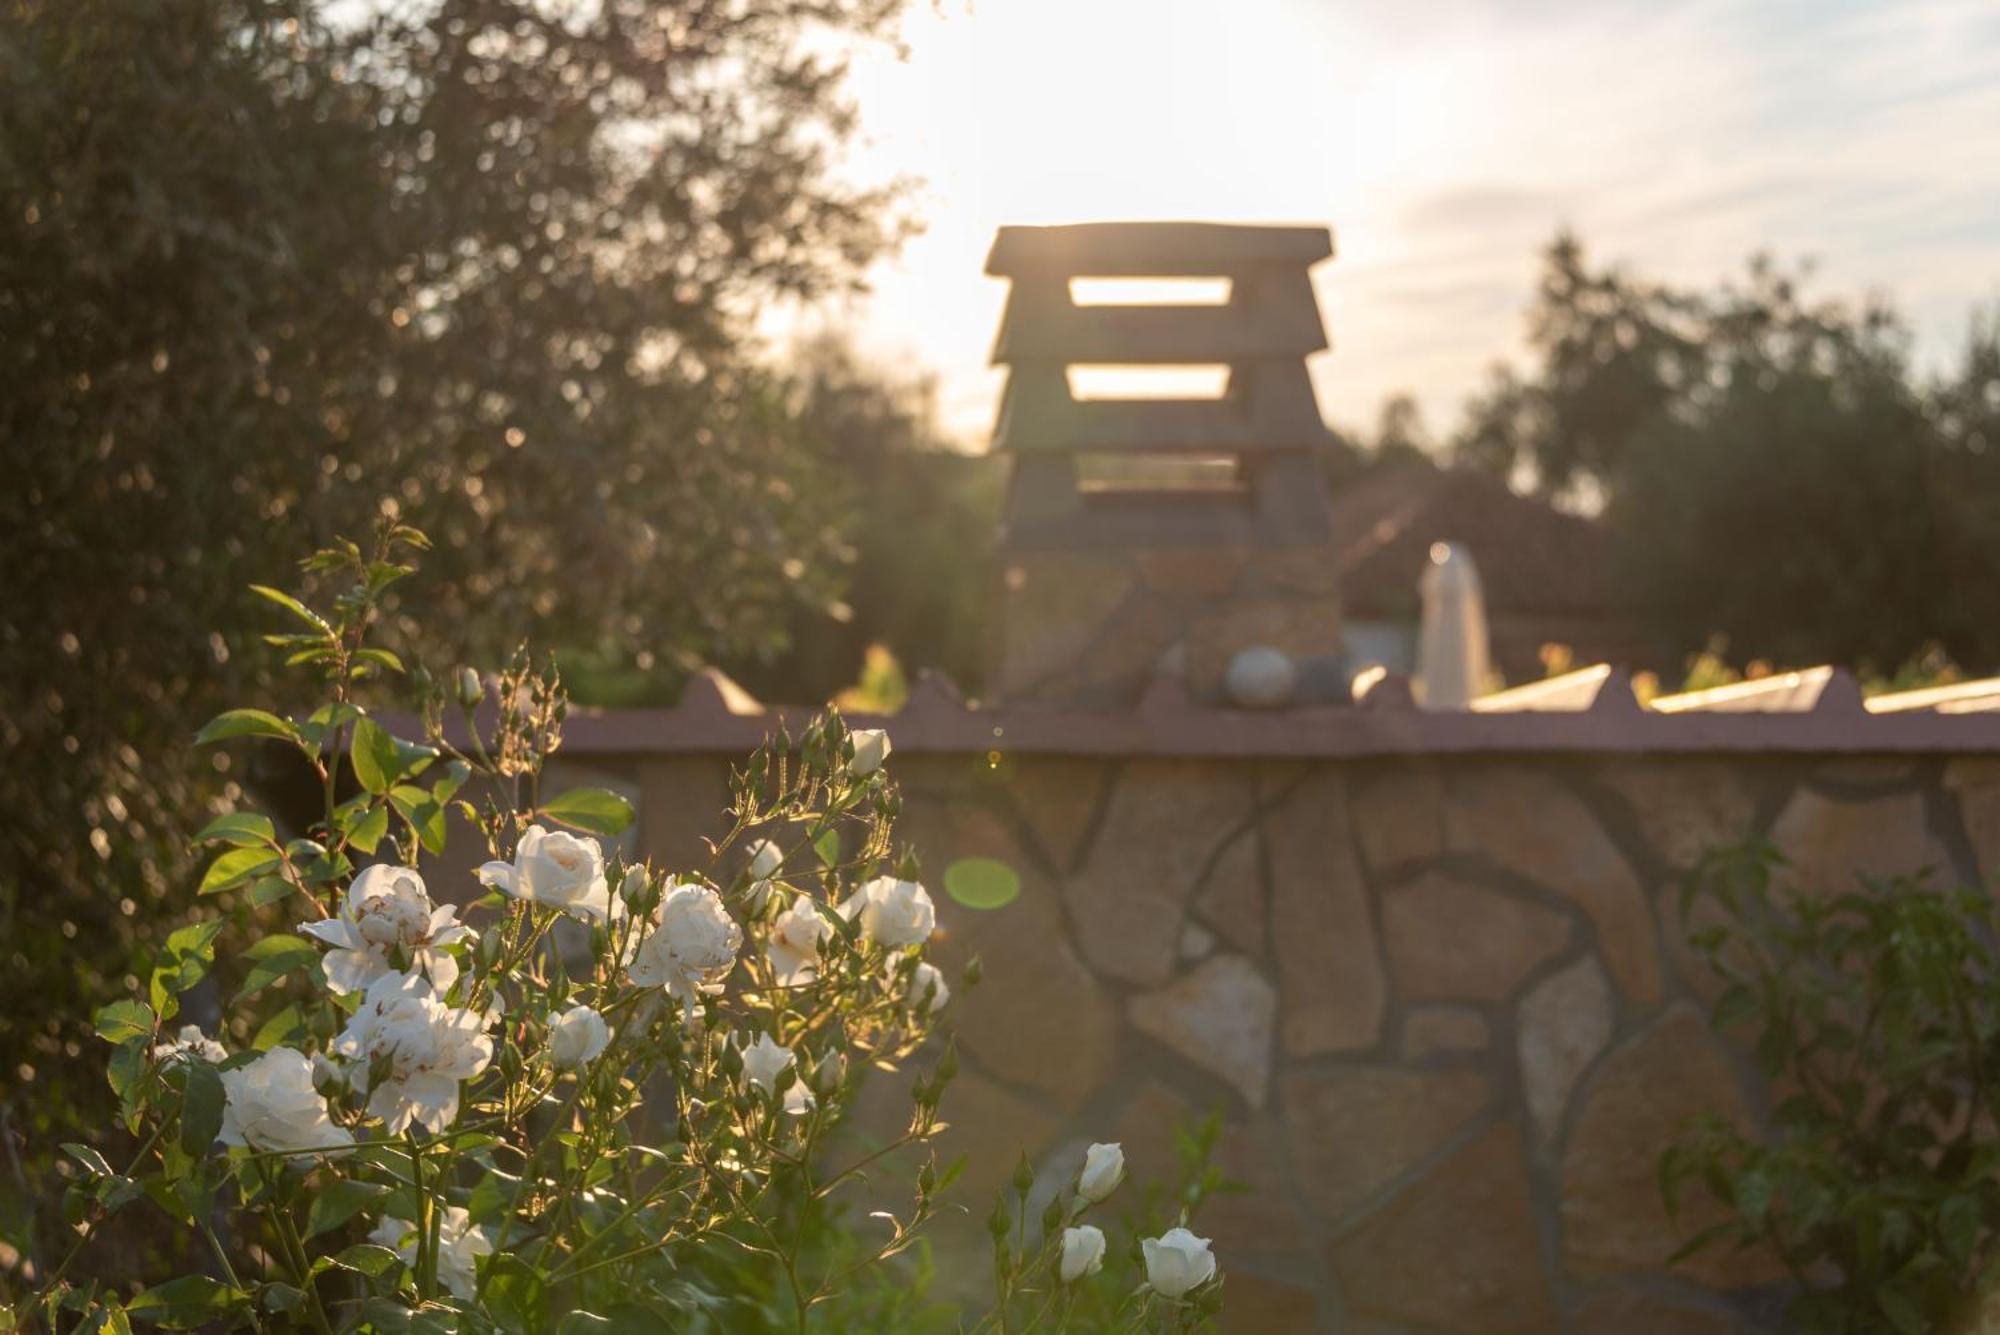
{"x":1443,"y":1002}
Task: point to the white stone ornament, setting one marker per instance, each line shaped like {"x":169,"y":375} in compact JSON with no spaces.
{"x":1261,"y":677}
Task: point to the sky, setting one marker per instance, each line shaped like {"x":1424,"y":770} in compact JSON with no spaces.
{"x":1445,"y":142}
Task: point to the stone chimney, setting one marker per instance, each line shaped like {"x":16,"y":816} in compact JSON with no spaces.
{"x":1151,"y":535}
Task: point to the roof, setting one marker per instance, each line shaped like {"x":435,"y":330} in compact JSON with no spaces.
{"x":1532,"y":557}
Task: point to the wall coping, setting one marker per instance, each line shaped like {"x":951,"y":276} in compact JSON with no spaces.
{"x":1589,"y":712}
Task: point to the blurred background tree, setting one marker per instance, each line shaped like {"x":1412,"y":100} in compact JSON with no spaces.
{"x":1771,"y":469}
{"x":268,"y":266}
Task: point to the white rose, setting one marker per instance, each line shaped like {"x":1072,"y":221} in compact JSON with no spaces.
{"x":892,"y":912}
{"x":424,"y":1047}
{"x":691,"y":948}
{"x":1177,"y":1261}
{"x":188,"y":1044}
{"x":871,"y":748}
{"x":1103,"y":1170}
{"x":460,"y":1245}
{"x":762,"y":1063}
{"x":271,"y":1104}
{"x":928,"y":990}
{"x":795,"y":938}
{"x":765,"y":859}
{"x":1082,"y":1252}
{"x":388,"y":925}
{"x":577,"y":1036}
{"x":558,"y":869}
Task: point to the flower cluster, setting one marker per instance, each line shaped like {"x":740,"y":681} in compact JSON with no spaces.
{"x":569,"y":1082}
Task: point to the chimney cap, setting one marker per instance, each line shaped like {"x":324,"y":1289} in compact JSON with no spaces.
{"x":1153,"y":249}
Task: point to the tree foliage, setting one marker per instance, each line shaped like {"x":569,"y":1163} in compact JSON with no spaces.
{"x":1771,"y":467}
{"x":270,"y":266}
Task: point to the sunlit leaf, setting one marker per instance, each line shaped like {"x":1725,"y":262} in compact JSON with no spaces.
{"x":597,"y":810}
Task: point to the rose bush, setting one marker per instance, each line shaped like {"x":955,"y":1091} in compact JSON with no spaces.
{"x":604,"y":1101}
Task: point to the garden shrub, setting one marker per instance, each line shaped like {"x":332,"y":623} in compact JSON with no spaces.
{"x":1875,"y":1014}
{"x":603,"y":1099}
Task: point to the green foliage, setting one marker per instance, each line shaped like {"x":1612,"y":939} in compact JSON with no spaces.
{"x":1770,"y":468}
{"x":271,"y":267}
{"x":1875,"y":1013}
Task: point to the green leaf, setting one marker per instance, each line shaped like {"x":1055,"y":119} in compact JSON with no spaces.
{"x":515,"y":1296}
{"x":107,"y":1321}
{"x":490,"y":1197}
{"x":121,"y":1020}
{"x":1958,"y":1225}
{"x":424,"y":814}
{"x":126,"y":1073}
{"x":339,"y":1201}
{"x":96,"y":1163}
{"x":235,"y":867}
{"x":269,"y":889}
{"x":186,"y":1303}
{"x":381,"y":759}
{"x":286,"y":1026}
{"x":294,"y":606}
{"x":368,"y":831}
{"x":273,"y":958}
{"x":827,"y":846}
{"x":366,"y":1258}
{"x":245,"y":723}
{"x":373,"y":754}
{"x":246,"y":829}
{"x":381,"y":658}
{"x":201,"y":1108}
{"x":594,"y":809}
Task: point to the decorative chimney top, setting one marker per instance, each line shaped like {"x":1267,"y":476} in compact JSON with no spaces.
{"x":1151,"y":534}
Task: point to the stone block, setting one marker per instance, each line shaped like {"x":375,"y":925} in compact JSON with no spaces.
{"x":1058,"y":797}
{"x":682,"y":800}
{"x":1830,"y":842}
{"x":1328,"y":968}
{"x":1452,"y":941}
{"x":1975,"y":783}
{"x":1398,"y":816}
{"x":1528,"y":823}
{"x":1260,"y":1219}
{"x":1456,"y":1253}
{"x":1356,"y":1130}
{"x":1640,"y":1101}
{"x":993,"y":1127}
{"x":1308,"y":570}
{"x":1231,"y":900}
{"x":1039,"y":1019}
{"x":1624,"y":1312}
{"x":1688,"y":806}
{"x":1255,"y":1305}
{"x":1053,"y":605}
{"x":1134,"y":640}
{"x":1435,"y":1031}
{"x":1219,"y":1015}
{"x":1564,"y":1022}
{"x":1164,"y":820}
{"x":1203,"y":571}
